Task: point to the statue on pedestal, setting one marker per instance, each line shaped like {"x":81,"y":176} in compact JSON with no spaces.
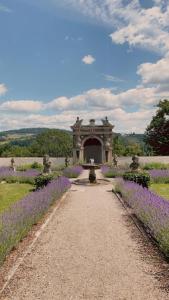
{"x":46,"y":165}
{"x":134,"y":166}
{"x":12,"y":166}
{"x":115,"y":160}
{"x":67,"y":161}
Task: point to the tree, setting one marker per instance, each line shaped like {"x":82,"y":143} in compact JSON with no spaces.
{"x":157,"y":132}
{"x":53,"y":142}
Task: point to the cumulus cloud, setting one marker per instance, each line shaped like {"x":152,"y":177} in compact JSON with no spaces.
{"x":123,"y":121}
{"x":88,"y":59}
{"x":22,"y":106}
{"x":146,"y":28}
{"x":155,"y":73}
{"x":3,"y":89}
{"x":99,"y":99}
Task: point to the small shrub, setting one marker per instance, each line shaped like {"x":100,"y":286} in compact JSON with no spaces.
{"x":42,"y":180}
{"x":37,"y":166}
{"x":140,"y":178}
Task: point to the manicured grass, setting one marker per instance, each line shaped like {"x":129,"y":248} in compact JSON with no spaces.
{"x":11,"y":193}
{"x":161,"y":189}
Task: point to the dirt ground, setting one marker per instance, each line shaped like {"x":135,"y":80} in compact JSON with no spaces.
{"x":89,"y":250}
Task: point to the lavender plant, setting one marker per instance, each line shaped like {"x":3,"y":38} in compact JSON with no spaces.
{"x":17,"y":221}
{"x":150,"y":208}
{"x":10,"y":176}
{"x":159,"y":176}
{"x":72,"y":172}
{"x":111,"y":172}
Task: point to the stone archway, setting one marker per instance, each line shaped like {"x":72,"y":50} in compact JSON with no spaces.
{"x":92,"y":150}
{"x":92,"y":141}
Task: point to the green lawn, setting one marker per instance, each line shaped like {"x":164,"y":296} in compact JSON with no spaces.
{"x":161,"y":189}
{"x":10,"y":193}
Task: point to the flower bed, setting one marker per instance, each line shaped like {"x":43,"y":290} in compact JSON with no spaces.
{"x":150,"y":208}
{"x":16,"y":222}
{"x":111,"y":172}
{"x":10,"y":176}
{"x":159,"y":176}
{"x":72,"y":172}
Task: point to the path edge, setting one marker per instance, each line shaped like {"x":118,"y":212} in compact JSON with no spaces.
{"x":27,"y":251}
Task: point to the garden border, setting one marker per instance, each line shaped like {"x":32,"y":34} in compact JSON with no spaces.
{"x":20,"y":260}
{"x":145,"y":231}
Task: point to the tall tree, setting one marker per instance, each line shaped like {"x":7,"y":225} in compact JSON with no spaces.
{"x":157,"y":133}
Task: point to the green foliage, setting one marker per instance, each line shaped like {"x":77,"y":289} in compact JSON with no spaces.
{"x":42,"y":180}
{"x":157,"y":133}
{"x":128,"y":145}
{"x":156,"y":165}
{"x":140,"y":178}
{"x":53,"y":142}
{"x":34,"y":165}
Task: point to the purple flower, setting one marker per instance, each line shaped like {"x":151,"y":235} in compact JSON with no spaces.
{"x":159,"y":176}
{"x":150,"y":208}
{"x":8,"y":172}
{"x":72,"y":172}
{"x":16,"y":222}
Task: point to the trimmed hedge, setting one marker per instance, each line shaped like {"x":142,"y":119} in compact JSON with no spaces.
{"x":140,"y":178}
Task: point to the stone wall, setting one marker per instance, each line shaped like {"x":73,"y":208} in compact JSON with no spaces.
{"x":144,"y":159}
{"x":61,"y":160}
{"x":5,"y":161}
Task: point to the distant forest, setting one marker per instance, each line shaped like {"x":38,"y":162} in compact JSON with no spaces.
{"x":58,"y":143}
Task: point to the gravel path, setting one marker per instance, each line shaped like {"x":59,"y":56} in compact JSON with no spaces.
{"x":86,"y":252}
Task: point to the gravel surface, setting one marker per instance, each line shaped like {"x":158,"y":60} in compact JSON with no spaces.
{"x":87,"y":251}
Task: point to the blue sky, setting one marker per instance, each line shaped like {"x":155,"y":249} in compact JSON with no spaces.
{"x":60,"y":59}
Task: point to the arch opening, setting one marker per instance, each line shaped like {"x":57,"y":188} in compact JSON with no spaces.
{"x":93,"y":150}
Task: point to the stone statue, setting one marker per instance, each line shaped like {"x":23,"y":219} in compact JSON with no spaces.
{"x":46,"y":165}
{"x":78,"y":122}
{"x":115,"y":160}
{"x":67,"y":161}
{"x":106,"y":121}
{"x":135,"y":164}
{"x":12,"y":166}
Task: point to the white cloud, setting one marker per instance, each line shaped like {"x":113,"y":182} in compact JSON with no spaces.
{"x":140,"y":27}
{"x":3,"y":89}
{"x":105,"y":98}
{"x":112,"y":78}
{"x":123,"y":121}
{"x":88,"y":59}
{"x":155,"y":73}
{"x":22,"y":105}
